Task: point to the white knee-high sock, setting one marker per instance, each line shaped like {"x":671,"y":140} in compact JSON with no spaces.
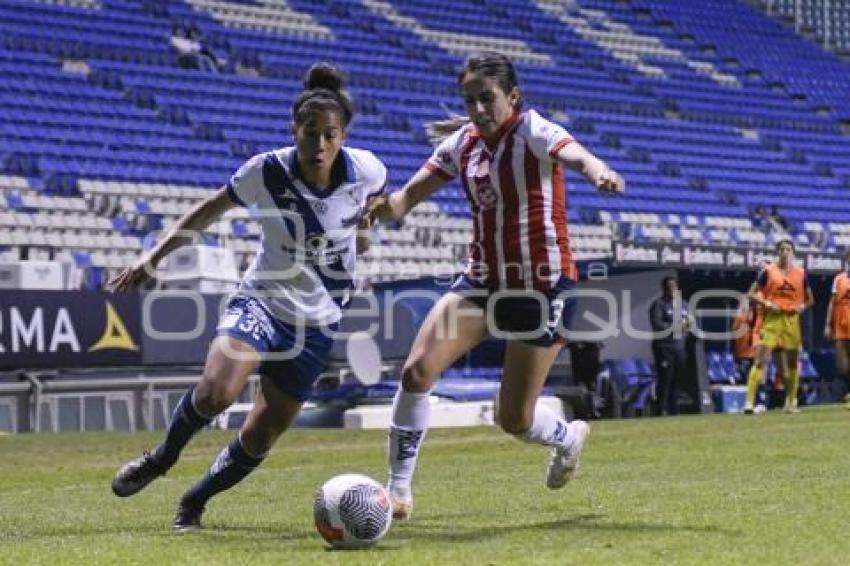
{"x":548,"y":429}
{"x":407,"y":431}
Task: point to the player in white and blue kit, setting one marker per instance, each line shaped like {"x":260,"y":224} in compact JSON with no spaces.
{"x":310,"y":200}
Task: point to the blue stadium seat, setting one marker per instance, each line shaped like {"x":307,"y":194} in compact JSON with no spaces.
{"x":716,"y":370}
{"x":807,"y":368}
{"x":730,"y":368}
{"x":633,"y":379}
{"x":134,"y":115}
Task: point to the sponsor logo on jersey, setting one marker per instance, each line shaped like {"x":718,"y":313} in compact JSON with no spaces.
{"x":487,"y":196}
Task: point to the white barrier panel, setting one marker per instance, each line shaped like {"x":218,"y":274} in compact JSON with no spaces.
{"x":444,"y":414}
{"x":42,"y":275}
{"x":201,"y":268}
{"x":203,"y":262}
{"x":201,"y":285}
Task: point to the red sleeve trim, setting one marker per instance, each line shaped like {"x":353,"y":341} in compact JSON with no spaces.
{"x":438,"y":171}
{"x":558,"y":146}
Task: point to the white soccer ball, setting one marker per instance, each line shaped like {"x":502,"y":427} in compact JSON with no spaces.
{"x":352,"y":511}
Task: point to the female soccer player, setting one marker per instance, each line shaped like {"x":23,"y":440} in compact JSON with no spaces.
{"x":520,"y":265}
{"x":838,"y":324}
{"x":748,"y":321}
{"x":312,"y":199}
{"x":783,"y":291}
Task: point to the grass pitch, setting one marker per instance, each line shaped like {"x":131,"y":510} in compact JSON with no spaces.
{"x":717,"y":489}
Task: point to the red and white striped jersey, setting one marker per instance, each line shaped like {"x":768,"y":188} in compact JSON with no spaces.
{"x":518,"y":198}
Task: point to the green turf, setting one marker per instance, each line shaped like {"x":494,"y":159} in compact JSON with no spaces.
{"x":717,"y":489}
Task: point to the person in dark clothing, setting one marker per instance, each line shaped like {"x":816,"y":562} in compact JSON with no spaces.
{"x":778,"y":218}
{"x":668,"y":316}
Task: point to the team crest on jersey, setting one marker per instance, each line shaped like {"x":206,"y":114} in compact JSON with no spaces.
{"x":320,"y":206}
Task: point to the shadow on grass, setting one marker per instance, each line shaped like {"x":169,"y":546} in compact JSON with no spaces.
{"x":444,"y":528}
{"x":437,"y":527}
{"x":268,"y":537}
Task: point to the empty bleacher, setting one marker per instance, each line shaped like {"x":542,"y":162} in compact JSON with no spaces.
{"x":106,"y":140}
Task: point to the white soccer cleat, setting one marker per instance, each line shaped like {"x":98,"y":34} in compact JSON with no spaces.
{"x":759,"y":409}
{"x":792,"y":409}
{"x":564,"y":463}
{"x":402,"y":502}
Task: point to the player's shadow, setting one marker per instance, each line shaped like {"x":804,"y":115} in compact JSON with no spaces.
{"x":437,"y":527}
{"x":268,"y":537}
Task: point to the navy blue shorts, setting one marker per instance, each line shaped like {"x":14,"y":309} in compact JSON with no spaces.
{"x":293,"y":357}
{"x":540,"y":319}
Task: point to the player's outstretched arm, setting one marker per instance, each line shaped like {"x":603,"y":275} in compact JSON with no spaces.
{"x":577,"y":157}
{"x":181,"y":233}
{"x":395,"y":206}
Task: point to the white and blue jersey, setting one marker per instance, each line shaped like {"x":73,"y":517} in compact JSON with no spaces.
{"x":298,"y":283}
{"x":304,"y":270}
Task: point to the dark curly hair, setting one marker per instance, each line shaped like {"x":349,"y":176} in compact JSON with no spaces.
{"x":323,"y":90}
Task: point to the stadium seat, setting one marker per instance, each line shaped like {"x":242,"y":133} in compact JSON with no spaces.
{"x":633,"y":380}
{"x":807,"y":369}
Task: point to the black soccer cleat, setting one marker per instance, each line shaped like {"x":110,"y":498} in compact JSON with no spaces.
{"x":135,"y":475}
{"x":188,"y":518}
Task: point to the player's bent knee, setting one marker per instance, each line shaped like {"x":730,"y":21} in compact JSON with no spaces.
{"x":415,"y":378}
{"x":213,"y":397}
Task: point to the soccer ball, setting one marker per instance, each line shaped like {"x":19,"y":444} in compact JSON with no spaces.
{"x":352,"y":511}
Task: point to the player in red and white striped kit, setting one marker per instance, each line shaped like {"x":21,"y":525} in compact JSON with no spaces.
{"x":520,"y":268}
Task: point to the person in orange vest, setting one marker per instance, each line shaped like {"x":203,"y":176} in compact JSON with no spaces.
{"x":838,"y":324}
{"x":784,"y":294}
{"x":750,"y":317}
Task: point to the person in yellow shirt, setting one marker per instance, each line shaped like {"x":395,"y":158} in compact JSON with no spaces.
{"x":783,"y":291}
{"x":838,"y":324}
{"x":749,"y":318}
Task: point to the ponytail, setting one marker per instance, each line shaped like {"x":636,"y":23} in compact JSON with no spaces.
{"x":439,"y":130}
